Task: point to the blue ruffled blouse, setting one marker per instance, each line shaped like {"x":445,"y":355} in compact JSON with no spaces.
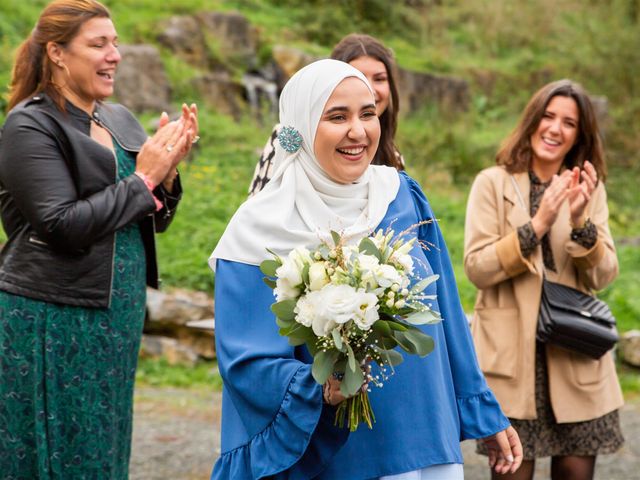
{"x":274,"y":422}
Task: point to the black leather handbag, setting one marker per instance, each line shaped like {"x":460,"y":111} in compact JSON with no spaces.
{"x":575,"y":321}
{"x":572,"y":319}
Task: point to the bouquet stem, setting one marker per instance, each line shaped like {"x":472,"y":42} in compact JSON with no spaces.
{"x":355,"y":410}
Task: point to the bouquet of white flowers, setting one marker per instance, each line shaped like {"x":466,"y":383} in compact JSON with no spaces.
{"x":351,"y":305}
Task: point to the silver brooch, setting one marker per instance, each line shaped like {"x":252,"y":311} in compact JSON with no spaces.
{"x":290,"y":139}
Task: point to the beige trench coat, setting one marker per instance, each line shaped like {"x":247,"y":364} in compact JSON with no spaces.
{"x":506,"y":310}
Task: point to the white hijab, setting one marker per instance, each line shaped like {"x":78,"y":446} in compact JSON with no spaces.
{"x":301,"y":204}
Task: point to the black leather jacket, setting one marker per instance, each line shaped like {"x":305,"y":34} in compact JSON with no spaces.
{"x":61,"y":205}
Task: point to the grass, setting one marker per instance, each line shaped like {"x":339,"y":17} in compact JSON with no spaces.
{"x":503,"y":49}
{"x":159,"y":373}
{"x":205,"y":376}
{"x":215,"y":183}
{"x":629,"y":381}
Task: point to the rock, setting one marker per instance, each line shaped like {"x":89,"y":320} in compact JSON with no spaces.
{"x":218,"y":90}
{"x":483,"y":80}
{"x":234,"y":38}
{"x":154,"y":346}
{"x":177,"y":307}
{"x":417,"y":89}
{"x":290,"y":60}
{"x":262,"y":96}
{"x":183,"y":36}
{"x":141,"y":82}
{"x":629,"y":347}
{"x":169,"y":313}
{"x":201,"y":342}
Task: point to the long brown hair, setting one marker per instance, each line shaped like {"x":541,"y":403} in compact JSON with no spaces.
{"x":59,"y":22}
{"x":516,"y":152}
{"x":355,"y":46}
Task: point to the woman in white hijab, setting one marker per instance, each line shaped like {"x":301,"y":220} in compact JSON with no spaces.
{"x":276,"y":422}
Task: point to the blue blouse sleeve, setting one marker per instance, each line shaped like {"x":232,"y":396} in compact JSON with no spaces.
{"x":274,"y":420}
{"x":478,"y":409}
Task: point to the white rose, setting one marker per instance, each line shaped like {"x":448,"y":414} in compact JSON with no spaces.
{"x":336,"y":304}
{"x":305,"y":310}
{"x":301,"y":256}
{"x":368,"y":262}
{"x":407,"y":263}
{"x":318,"y":277}
{"x":387,"y":275}
{"x":368,"y":312}
{"x":350,"y":250}
{"x":289,"y":274}
{"x":285,"y":291}
{"x":368,"y":265}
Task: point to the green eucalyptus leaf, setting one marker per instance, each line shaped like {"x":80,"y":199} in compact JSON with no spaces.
{"x":352,"y":382}
{"x":312,"y":346}
{"x":284,"y":309}
{"x":268,"y":281}
{"x":305,"y":274}
{"x":336,"y":238}
{"x":404,"y":311}
{"x":298,"y":330}
{"x":284,"y":324}
{"x":324,"y":251}
{"x":397,"y":326}
{"x":269,"y":267}
{"x":423,"y":318}
{"x":424,"y":283}
{"x":352,"y":359}
{"x":337,"y":339}
{"x":296,"y":341}
{"x":382,"y":327}
{"x":323,"y":366}
{"x":423,"y":343}
{"x":406,"y":344}
{"x":392,"y":357}
{"x":369,"y":248}
{"x":388,"y":342}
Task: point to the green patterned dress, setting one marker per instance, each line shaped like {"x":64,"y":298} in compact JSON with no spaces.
{"x":67,"y":374}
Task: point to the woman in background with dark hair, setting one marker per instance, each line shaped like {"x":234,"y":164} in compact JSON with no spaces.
{"x":377,"y":63}
{"x":542,"y":211}
{"x":82,"y":191}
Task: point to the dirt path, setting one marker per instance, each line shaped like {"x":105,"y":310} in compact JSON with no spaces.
{"x":176,"y":437}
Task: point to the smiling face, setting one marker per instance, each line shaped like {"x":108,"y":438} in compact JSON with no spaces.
{"x":348,"y":132}
{"x":556,"y":134}
{"x":86,"y":66}
{"x":378,"y":77}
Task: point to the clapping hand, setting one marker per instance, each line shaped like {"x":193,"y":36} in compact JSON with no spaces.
{"x":554,"y":196}
{"x":189,"y":120}
{"x":580,"y":191}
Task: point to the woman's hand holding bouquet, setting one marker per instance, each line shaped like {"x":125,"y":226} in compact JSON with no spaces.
{"x":352,"y":305}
